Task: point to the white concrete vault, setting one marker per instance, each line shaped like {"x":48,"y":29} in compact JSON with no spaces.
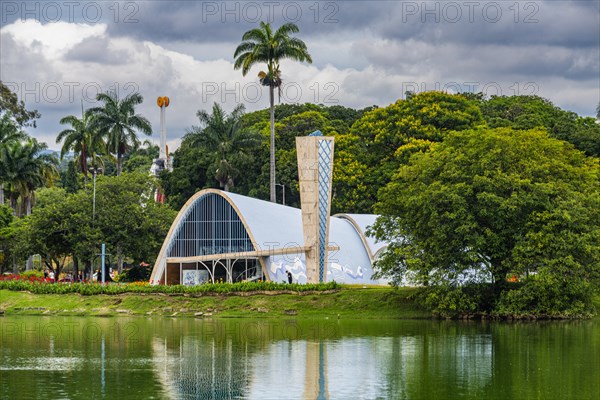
{"x":222,"y":236}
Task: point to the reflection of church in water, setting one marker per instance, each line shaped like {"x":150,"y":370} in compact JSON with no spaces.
{"x":214,"y":369}
{"x":211,"y":365}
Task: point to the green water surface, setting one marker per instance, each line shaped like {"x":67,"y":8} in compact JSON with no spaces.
{"x":167,"y":358}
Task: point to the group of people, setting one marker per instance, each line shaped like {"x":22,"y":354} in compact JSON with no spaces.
{"x":49,"y":276}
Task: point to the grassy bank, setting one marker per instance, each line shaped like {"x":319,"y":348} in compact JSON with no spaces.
{"x":355,"y":303}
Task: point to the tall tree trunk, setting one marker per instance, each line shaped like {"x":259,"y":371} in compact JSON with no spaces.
{"x":120,"y":259}
{"x":28,"y":204}
{"x":14,"y":203}
{"x":1,"y":194}
{"x":87,"y":271}
{"x":119,"y":163}
{"x":75,"y":268}
{"x":57,"y":269}
{"x":272,"y":160}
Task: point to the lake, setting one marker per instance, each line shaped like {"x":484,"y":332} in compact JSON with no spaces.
{"x":169,"y":358}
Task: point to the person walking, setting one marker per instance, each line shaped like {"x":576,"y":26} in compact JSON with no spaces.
{"x":289,"y":275}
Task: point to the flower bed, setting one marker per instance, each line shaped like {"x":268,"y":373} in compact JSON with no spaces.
{"x":40,"y":286}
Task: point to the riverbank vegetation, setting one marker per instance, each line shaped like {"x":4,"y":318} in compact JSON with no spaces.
{"x":355,"y":303}
{"x":343,"y":302}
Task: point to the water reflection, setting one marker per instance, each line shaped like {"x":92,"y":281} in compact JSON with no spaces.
{"x":222,"y":359}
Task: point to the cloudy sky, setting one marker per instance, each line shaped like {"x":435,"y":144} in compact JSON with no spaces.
{"x":57,"y":54}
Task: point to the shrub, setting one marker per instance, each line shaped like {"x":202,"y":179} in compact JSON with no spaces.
{"x":33,"y":272}
{"x":87,"y":289}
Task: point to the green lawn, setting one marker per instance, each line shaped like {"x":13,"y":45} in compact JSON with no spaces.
{"x":348,"y":303}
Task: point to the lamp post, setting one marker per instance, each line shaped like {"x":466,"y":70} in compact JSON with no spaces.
{"x":94,"y":171}
{"x":283,"y":186}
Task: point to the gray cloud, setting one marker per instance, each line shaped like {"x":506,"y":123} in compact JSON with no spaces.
{"x":97,"y":50}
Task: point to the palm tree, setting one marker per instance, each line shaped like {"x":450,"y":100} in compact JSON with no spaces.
{"x":82,"y":140}
{"x":27,"y":168}
{"x":261,"y":45}
{"x":117,"y":120}
{"x":9,"y":134}
{"x":221,"y":136}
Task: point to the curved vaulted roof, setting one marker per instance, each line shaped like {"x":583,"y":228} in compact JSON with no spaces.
{"x":361,"y":223}
{"x":213,"y":222}
{"x":271,"y":224}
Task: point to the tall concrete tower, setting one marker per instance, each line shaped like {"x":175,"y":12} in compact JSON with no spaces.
{"x":315,"y":168}
{"x":162,"y":162}
{"x":163,"y":103}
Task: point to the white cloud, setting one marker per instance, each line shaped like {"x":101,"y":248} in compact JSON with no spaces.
{"x":53,"y":39}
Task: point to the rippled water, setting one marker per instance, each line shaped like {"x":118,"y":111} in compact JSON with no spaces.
{"x":110,"y":358}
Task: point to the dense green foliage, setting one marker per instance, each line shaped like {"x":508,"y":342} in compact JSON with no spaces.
{"x":24,"y":165}
{"x":64,"y":225}
{"x":488,"y":204}
{"x":11,"y":105}
{"x":371,"y":144}
{"x":136,"y":273}
{"x":228,"y":148}
{"x":191,"y":161}
{"x":384,"y":138}
{"x":528,"y":112}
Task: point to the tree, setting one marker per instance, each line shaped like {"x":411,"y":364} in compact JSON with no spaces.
{"x":128,"y":220}
{"x":6,"y":218}
{"x":287,"y":129}
{"x":141,"y":158}
{"x":69,"y":179}
{"x":221,"y":137}
{"x":118,"y":122}
{"x":487,"y":204}
{"x":10,"y":133}
{"x":10,"y":104}
{"x":82,"y":140}
{"x":59,"y":228}
{"x":189,"y":174}
{"x":384,"y":138}
{"x":10,"y":246}
{"x":45,"y":232}
{"x":528,"y":112}
{"x":261,"y":45}
{"x":27,"y":168}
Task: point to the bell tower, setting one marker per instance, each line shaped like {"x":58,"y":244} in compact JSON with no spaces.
{"x":315,"y":168}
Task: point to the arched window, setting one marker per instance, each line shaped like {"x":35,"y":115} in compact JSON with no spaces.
{"x":210,"y":226}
